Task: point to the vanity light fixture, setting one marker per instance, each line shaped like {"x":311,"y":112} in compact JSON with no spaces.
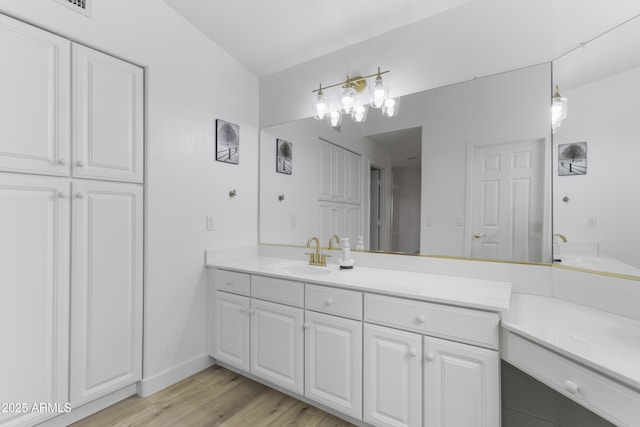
{"x":348,"y":102}
{"x":558,"y":110}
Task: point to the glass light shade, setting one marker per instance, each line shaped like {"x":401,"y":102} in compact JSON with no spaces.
{"x":558,"y":111}
{"x":347,"y":99}
{"x":390,"y":107}
{"x":359,"y":113}
{"x":320,"y":106}
{"x":334,"y":118}
{"x":378,"y":92}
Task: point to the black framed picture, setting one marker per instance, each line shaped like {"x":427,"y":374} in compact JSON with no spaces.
{"x":227,"y":142}
{"x":572,"y":159}
{"x":284,"y":157}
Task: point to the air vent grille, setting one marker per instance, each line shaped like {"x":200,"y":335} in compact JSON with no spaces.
{"x":81,"y":6}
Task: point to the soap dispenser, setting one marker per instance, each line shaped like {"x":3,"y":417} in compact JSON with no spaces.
{"x":346,"y":262}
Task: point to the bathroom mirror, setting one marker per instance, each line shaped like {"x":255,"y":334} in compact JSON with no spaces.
{"x":596,"y":183}
{"x":463,"y":171}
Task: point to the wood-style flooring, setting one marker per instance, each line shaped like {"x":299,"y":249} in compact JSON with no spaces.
{"x":213,"y":397}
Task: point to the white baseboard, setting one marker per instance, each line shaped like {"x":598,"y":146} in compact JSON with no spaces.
{"x":155,"y":383}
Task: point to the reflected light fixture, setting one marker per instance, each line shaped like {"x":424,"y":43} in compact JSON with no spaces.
{"x":558,"y":110}
{"x":349,"y":100}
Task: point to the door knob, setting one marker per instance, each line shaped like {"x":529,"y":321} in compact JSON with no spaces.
{"x":80,"y":164}
{"x":478,"y":235}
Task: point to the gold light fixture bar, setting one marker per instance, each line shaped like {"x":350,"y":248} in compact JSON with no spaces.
{"x":358,"y":83}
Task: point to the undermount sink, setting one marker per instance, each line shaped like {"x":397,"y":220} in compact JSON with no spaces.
{"x":300,"y":268}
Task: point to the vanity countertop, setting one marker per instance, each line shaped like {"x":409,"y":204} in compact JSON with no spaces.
{"x":605,"y":342}
{"x":490,"y":295}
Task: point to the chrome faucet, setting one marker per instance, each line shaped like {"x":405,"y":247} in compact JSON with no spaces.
{"x":316,"y":258}
{"x":561,"y":236}
{"x":334,"y":237}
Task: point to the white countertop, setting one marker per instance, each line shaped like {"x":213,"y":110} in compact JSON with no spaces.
{"x":490,"y":295}
{"x":602,"y":341}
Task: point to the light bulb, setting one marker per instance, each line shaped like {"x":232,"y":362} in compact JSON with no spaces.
{"x":359,"y":113}
{"x":347,"y":99}
{"x":320,"y":105}
{"x":390,"y":107}
{"x":334,"y":118}
{"x":378,"y":92}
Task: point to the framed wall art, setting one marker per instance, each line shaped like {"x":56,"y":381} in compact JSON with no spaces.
{"x":284,"y":157}
{"x":227,"y":142}
{"x":572,"y":159}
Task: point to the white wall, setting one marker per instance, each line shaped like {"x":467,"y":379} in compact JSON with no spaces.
{"x":189,"y":83}
{"x":605,"y":115}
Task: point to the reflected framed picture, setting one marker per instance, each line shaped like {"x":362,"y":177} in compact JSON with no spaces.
{"x":284,"y":157}
{"x":227,"y":142}
{"x":572,"y":159}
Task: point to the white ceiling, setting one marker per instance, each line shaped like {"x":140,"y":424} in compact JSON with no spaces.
{"x":269,"y":36}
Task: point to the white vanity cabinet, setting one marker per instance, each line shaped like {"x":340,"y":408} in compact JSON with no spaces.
{"x":333,"y":348}
{"x":262,"y":335}
{"x":392,"y":377}
{"x":387,"y":361}
{"x":461,"y":385}
{"x":459,"y":378}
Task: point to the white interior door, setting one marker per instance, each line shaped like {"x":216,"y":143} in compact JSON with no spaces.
{"x":505,"y":206}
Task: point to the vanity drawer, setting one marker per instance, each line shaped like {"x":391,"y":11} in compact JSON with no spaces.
{"x":606,"y":397}
{"x":232,"y":281}
{"x":278,"y":290}
{"x":454,"y":323}
{"x":340,"y":302}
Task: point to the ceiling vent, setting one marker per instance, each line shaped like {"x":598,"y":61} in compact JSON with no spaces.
{"x":80,"y":6}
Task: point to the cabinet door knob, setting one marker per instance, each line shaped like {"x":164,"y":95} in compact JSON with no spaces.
{"x":430,"y":356}
{"x":80,"y":196}
{"x":306,"y":325}
{"x":229,"y":282}
{"x":413,"y":352}
{"x":61,"y":161}
{"x":244,"y":310}
{"x":61,"y":195}
{"x":80,"y":164}
{"x":252,"y":310}
{"x":328,"y":301}
{"x":421,"y":318}
{"x":571,"y":387}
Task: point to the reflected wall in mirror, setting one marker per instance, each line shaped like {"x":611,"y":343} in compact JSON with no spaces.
{"x":599,"y":212}
{"x":463,"y":171}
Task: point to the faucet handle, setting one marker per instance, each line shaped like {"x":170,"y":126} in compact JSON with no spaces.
{"x":312,"y":257}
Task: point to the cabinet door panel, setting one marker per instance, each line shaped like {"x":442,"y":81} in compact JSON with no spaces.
{"x":108,"y":115}
{"x":34,"y":106}
{"x":277,"y":341}
{"x":333,"y":362}
{"x":326,"y":170}
{"x":392,"y":377}
{"x":231,"y":329}
{"x":106,"y":350}
{"x":339,"y":175}
{"x":354,"y":178}
{"x":461,"y":385}
{"x":34,"y":307}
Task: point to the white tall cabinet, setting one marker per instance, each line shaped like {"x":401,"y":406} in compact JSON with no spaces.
{"x":70,"y":247}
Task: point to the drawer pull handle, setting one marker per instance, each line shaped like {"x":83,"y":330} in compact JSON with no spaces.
{"x":413,"y":352}
{"x":571,"y":387}
{"x":229,"y":282}
{"x":328,"y":301}
{"x":430,"y":356}
{"x":421,"y":318}
{"x":306,"y":325}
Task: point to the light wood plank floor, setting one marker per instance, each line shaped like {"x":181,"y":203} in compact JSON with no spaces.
{"x":213,"y":397}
